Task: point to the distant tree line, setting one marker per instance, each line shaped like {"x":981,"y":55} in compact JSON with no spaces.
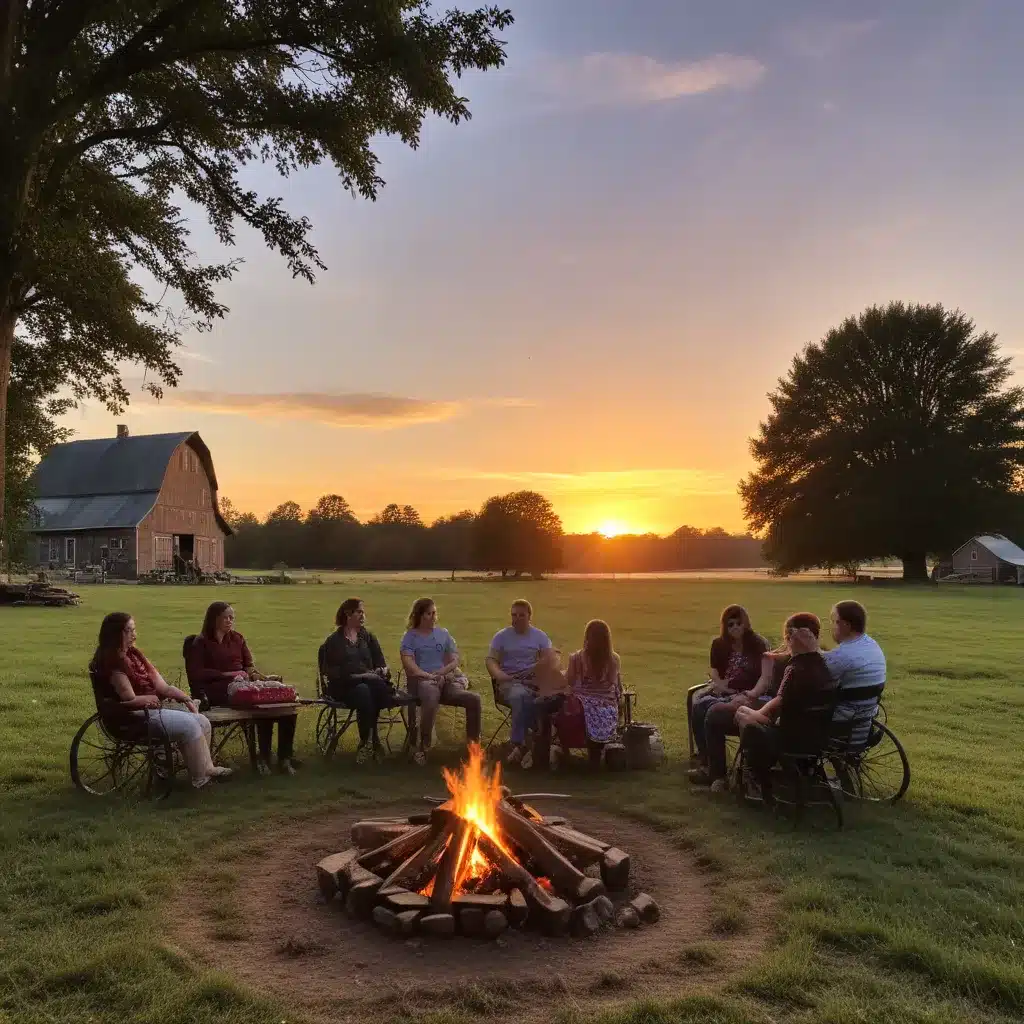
{"x":511,"y":534}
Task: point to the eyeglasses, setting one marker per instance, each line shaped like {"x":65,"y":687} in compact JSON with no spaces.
{"x":733,"y":623}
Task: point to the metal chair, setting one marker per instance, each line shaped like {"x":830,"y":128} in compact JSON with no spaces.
{"x":504,"y":709}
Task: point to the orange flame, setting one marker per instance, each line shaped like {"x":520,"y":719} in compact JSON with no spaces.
{"x":475,"y":795}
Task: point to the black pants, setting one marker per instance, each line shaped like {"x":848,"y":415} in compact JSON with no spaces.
{"x":367,"y":697}
{"x":285,"y":736}
{"x":761,"y":745}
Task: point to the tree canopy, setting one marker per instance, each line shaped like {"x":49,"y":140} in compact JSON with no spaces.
{"x":517,"y":533}
{"x":118,"y":120}
{"x":895,"y":436}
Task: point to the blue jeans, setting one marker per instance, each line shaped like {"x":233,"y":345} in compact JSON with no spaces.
{"x":522,"y":700}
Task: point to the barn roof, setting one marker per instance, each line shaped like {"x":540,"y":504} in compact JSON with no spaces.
{"x":109,"y":482}
{"x":1005,"y":550}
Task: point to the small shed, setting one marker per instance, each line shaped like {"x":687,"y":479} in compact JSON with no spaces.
{"x":990,"y":554}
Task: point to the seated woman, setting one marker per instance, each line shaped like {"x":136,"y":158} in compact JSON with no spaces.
{"x":122,"y":673}
{"x":431,"y":662}
{"x":219,"y":656}
{"x":735,"y":668}
{"x":594,"y":680}
{"x":720,"y":720}
{"x":358,"y":675}
{"x":797,"y":719}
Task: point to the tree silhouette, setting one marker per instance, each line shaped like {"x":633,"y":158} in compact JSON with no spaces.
{"x":331,"y":508}
{"x":113,"y":116}
{"x":286,"y":512}
{"x":397,"y":515}
{"x":517,"y":533}
{"x":893,"y":436}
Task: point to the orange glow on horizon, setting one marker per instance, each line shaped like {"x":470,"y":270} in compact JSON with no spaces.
{"x":615,"y":528}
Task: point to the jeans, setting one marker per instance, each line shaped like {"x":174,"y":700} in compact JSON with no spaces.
{"x":179,"y":726}
{"x":698,"y":719}
{"x":451,"y":692}
{"x":761,"y":745}
{"x":285,"y":736}
{"x":367,"y":697}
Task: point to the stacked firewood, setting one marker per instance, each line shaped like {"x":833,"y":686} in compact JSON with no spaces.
{"x":401,"y":872}
{"x":37,"y":595}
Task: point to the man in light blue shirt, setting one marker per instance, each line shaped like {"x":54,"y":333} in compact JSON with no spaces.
{"x":858,"y":666}
{"x":515,"y":653}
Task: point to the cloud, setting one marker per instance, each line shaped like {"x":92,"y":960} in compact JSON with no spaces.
{"x":376,"y":411}
{"x":824,"y":40}
{"x":382,"y":412}
{"x":183,"y":352}
{"x":623,"y":79}
{"x":607,"y":482}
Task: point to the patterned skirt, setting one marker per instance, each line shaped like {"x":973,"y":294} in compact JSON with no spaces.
{"x":601,"y":717}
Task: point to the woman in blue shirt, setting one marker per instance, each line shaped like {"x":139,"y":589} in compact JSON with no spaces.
{"x":431,"y":662}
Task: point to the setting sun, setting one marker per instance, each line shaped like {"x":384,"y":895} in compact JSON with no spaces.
{"x":613,"y":528}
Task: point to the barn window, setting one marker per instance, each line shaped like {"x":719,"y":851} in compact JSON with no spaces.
{"x":54,"y":549}
{"x":974,"y":554}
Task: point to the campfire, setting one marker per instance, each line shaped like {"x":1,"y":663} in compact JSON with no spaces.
{"x":481,"y":861}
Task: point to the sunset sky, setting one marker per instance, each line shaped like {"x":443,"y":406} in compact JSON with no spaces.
{"x":590,"y":288}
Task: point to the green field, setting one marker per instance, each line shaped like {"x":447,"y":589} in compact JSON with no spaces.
{"x":913,"y":913}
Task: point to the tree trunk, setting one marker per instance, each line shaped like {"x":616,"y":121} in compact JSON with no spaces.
{"x":915,"y":566}
{"x":6,"y":346}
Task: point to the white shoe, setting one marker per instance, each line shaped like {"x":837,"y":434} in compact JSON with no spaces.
{"x":720,"y":786}
{"x":200,"y":783}
{"x":527,"y":761}
{"x":420,"y":758}
{"x":220,"y":772}
{"x":555,"y":757}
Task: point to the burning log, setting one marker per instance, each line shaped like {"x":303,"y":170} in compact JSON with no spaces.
{"x":447,"y":870}
{"x":552,"y":911}
{"x":478,"y":901}
{"x":563,"y":873}
{"x":584,"y":850}
{"x":397,"y":849}
{"x":421,"y":862}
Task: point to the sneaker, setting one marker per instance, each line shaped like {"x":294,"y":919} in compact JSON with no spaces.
{"x":364,"y":753}
{"x":285,"y":766}
{"x":262,"y":766}
{"x":699,"y":777}
{"x":200,"y":783}
{"x":720,"y":786}
{"x":420,"y":757}
{"x":220,"y":772}
{"x":527,"y":761}
{"x":515,"y":756}
{"x":556,"y":756}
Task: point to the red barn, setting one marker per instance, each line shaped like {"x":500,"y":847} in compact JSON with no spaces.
{"x":129,"y":504}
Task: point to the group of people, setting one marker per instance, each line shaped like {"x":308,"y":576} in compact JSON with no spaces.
{"x":777,"y":701}
{"x":521,"y":660}
{"x":787,"y":700}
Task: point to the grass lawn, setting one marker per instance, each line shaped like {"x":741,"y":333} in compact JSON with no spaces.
{"x":914,"y":913}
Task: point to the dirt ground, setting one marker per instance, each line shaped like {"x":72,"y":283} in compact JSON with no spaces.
{"x":266,"y":924}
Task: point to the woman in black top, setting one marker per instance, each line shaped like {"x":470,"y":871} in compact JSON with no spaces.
{"x":735,"y":668}
{"x":357,"y":674}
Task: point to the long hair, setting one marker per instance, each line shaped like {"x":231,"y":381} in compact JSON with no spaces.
{"x":736,"y":611}
{"x":213,"y":613}
{"x":597,"y":648}
{"x":108,"y":646}
{"x":348,"y":606}
{"x":419,"y":609}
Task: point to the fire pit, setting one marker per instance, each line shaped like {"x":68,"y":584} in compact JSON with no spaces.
{"x":482,"y":861}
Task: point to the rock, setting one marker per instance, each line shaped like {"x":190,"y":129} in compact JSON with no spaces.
{"x":589,"y":889}
{"x":585,"y":920}
{"x":471,"y":921}
{"x":438,"y":924}
{"x":615,"y":868}
{"x":605,"y":909}
{"x":362,"y":897}
{"x":495,"y":922}
{"x":518,"y":910}
{"x":386,"y":919}
{"x":627,"y":917}
{"x":407,"y":921}
{"x":647,"y":910}
{"x":399,"y":900}
{"x":330,"y":874}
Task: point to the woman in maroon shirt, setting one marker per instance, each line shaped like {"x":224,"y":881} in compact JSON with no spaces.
{"x":219,"y":656}
{"x":125,"y":677}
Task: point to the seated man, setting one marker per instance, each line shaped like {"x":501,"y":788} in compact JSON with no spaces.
{"x":721,"y":718}
{"x":516,"y":655}
{"x":796,"y":720}
{"x":858,"y":667}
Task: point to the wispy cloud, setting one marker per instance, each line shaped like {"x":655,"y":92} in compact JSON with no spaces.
{"x":375,"y":411}
{"x":610,"y":482}
{"x":624,"y":79}
{"x":822,"y":40}
{"x":184,"y":352}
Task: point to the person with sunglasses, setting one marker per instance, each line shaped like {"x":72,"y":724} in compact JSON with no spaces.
{"x":735,"y":669}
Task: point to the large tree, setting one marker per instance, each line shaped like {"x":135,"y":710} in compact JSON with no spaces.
{"x":517,"y":533}
{"x":119,"y":118}
{"x":896,"y":435}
